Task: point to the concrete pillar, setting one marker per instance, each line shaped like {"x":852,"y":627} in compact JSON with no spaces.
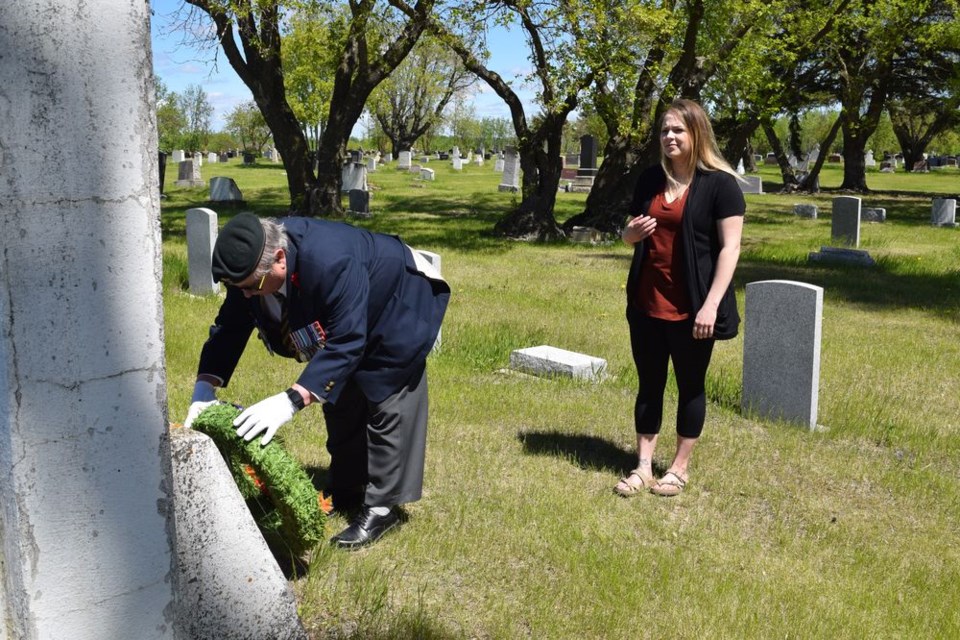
{"x":84,"y":468}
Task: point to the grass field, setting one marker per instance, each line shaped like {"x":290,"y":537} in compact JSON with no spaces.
{"x":847,"y":532}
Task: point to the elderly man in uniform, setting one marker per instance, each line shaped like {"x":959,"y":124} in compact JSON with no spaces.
{"x":362,"y":311}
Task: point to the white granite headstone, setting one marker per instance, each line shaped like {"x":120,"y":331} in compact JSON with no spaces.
{"x":404,"y":160}
{"x":426,"y":174}
{"x":550,"y":361}
{"x":510,"y":181}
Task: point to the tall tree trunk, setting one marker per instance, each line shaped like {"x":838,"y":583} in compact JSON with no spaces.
{"x":790,"y":181}
{"x":533,"y":218}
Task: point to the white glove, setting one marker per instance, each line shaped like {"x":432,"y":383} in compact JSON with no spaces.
{"x":267,"y":415}
{"x":204,"y":395}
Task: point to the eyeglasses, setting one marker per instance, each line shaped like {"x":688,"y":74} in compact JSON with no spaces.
{"x":254,"y":289}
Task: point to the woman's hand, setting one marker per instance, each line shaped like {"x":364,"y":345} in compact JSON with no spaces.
{"x":640,"y":228}
{"x":703,"y":324}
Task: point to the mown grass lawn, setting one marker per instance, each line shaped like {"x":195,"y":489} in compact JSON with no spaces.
{"x":846,"y":532}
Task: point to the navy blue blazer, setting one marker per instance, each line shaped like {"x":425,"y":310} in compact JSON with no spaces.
{"x":357,"y":304}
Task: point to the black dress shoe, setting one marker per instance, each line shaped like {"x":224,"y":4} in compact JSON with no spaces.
{"x":366,"y":528}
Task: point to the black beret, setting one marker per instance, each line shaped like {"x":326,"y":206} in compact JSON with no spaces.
{"x":238,"y":248}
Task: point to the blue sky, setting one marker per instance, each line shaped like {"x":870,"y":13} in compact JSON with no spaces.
{"x":180,"y":65}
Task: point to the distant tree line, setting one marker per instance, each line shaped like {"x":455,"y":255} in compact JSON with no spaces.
{"x":783,"y":75}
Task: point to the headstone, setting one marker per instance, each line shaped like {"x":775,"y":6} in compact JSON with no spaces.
{"x":770,"y":159}
{"x":869,"y":160}
{"x":354,"y":176}
{"x":740,"y":170}
{"x":162,"y":163}
{"x":359,"y":205}
{"x":547,"y":361}
{"x":198,"y":158}
{"x":435,"y":262}
{"x":212,"y":158}
{"x":751,"y":184}
{"x":944,"y":212}
{"x":587,"y":235}
{"x":426,"y":174}
{"x":568,"y":173}
{"x":835,"y":158}
{"x":424,"y":159}
{"x":415,"y":168}
{"x":510,"y":181}
{"x":189,"y":174}
{"x":572,"y":159}
{"x":478,"y":159}
{"x":498,"y":165}
{"x":842,"y":255}
{"x":387,"y":157}
{"x":805,"y":211}
{"x":455,"y":152}
{"x":85,"y":497}
{"x":179,"y":156}
{"x":225,"y":157}
{"x":886,"y":166}
{"x":781,"y":351}
{"x":873,"y":214}
{"x":201,"y":236}
{"x":457,"y":162}
{"x":224,"y":189}
{"x":223,"y":563}
{"x":404,"y":159}
{"x":249,"y":158}
{"x":371,"y":164}
{"x":845,"y":223}
{"x":588,"y":156}
{"x":581,"y":184}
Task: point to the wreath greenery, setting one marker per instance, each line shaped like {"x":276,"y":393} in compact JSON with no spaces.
{"x":280,"y":495}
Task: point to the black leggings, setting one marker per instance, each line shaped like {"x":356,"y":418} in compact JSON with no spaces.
{"x":654,"y":342}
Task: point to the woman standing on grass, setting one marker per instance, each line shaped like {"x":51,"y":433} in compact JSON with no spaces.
{"x":680,"y":299}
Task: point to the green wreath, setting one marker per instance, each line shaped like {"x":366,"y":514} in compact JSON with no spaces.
{"x":280,"y":495}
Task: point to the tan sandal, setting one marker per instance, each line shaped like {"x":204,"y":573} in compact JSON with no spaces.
{"x":671,"y":484}
{"x":646,"y":482}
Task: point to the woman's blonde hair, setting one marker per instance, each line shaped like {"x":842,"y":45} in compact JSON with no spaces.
{"x":705,"y":154}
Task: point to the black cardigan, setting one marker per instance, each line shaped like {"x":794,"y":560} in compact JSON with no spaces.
{"x":713,"y":195}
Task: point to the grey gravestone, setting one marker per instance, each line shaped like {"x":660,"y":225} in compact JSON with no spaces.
{"x":550,"y":361}
{"x":179,"y":156}
{"x":225,"y":190}
{"x":869,"y":160}
{"x":198,"y":158}
{"x":426,"y":174}
{"x":572,"y":159}
{"x":223,"y":563}
{"x":359,"y":203}
{"x":354,"y":176}
{"x":457,"y":162}
{"x":841,"y":255}
{"x":873,"y":214}
{"x":511,"y":171}
{"x":212,"y":158}
{"x":943,"y":213}
{"x":845,"y":222}
{"x":404,"y":159}
{"x":201,"y":236}
{"x":371,"y":164}
{"x":415,"y":168}
{"x":751,"y":184}
{"x":189,"y":174}
{"x":387,"y":157}
{"x":498,"y":165}
{"x":805,"y":211}
{"x":781,"y":350}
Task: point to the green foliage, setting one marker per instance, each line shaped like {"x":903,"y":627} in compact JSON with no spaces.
{"x":298,"y":521}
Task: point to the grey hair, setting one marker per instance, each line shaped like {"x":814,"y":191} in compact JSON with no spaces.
{"x":275,"y":237}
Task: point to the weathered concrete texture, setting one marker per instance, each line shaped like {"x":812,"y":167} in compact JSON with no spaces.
{"x":228,"y":583}
{"x":550,"y":361}
{"x":87,"y":553}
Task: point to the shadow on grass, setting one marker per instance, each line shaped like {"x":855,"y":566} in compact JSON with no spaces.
{"x":587,"y":452}
{"x":873,"y":286}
